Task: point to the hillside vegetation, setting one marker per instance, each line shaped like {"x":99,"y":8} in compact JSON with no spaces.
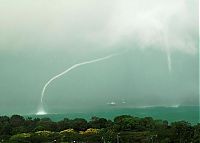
{"x":123,"y":129}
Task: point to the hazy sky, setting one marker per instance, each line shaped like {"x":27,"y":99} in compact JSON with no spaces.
{"x":39,"y":39}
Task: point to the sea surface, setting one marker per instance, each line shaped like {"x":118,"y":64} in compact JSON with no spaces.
{"x":171,"y":114}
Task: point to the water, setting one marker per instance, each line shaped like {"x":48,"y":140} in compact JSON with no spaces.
{"x":171,"y":114}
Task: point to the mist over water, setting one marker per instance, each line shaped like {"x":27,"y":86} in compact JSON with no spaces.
{"x":39,"y":39}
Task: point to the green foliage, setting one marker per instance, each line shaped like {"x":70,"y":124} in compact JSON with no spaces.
{"x":64,"y":124}
{"x":20,"y":138}
{"x":17,"y":120}
{"x":196,"y":133}
{"x":132,"y":137}
{"x":79,"y":124}
{"x":108,"y":135}
{"x":44,"y":136}
{"x":124,"y":128}
{"x":99,"y":123}
{"x":70,"y":135}
{"x":183,"y":131}
{"x":46,"y":124}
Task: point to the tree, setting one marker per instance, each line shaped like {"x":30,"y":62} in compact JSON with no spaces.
{"x":98,"y":123}
{"x":70,"y":135}
{"x":5,"y":129}
{"x":126,"y":122}
{"x":64,"y":124}
{"x":17,"y":120}
{"x":125,"y":128}
{"x":196,"y":138}
{"x":44,"y":136}
{"x":46,"y":124}
{"x":79,"y":124}
{"x":183,"y":132}
{"x":21,"y":138}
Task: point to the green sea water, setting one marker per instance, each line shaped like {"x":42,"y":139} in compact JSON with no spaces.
{"x":171,"y":114}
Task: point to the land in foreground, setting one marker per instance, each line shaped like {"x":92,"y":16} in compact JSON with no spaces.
{"x":123,"y":129}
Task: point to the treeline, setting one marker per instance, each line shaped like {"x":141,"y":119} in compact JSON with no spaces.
{"x":123,"y":129}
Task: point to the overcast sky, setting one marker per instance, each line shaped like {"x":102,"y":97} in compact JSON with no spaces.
{"x":39,"y":39}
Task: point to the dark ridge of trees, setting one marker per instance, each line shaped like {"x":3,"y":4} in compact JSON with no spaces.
{"x":123,"y":129}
